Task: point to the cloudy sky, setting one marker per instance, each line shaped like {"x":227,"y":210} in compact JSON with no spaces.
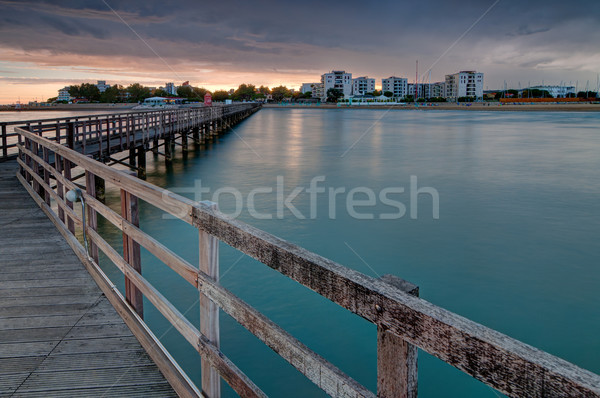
{"x":46,"y":45}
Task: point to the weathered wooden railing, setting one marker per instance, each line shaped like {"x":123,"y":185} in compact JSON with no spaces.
{"x":404,"y":321}
{"x":117,"y":131}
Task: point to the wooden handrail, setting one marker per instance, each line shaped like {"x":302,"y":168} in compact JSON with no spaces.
{"x":80,"y":129}
{"x":506,"y":364}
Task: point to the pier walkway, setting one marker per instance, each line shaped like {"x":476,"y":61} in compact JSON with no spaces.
{"x":59,"y":335}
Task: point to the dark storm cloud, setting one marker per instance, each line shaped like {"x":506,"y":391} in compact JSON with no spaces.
{"x":378,"y":38}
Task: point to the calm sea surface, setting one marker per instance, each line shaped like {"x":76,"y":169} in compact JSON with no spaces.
{"x":515,"y":246}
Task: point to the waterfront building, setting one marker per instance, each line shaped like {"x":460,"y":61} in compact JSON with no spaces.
{"x":465,"y":83}
{"x":102,"y":86}
{"x":363,"y":85}
{"x":63,"y":95}
{"x":555,"y":91}
{"x":397,"y":85}
{"x":437,"y":90}
{"x":307,"y":87}
{"x":170,"y":88}
{"x":318,"y":91}
{"x":337,"y":79}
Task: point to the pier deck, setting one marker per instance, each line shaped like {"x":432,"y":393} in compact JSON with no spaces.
{"x":59,"y":335}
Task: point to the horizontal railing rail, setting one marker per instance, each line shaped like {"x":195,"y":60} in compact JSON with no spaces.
{"x":510,"y":366}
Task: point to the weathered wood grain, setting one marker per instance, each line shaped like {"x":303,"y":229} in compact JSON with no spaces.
{"x":506,"y":364}
{"x":208,"y":264}
{"x":396,"y":359}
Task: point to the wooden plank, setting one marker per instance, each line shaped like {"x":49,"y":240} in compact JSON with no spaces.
{"x":209,"y":311}
{"x":143,"y":391}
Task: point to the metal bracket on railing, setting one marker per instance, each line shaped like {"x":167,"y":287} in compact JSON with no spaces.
{"x":72,"y":196}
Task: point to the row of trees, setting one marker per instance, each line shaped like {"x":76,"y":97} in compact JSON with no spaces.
{"x":137,"y":92}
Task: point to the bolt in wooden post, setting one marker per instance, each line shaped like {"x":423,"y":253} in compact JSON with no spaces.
{"x":209,"y":311}
{"x":131,"y":250}
{"x":396,"y":359}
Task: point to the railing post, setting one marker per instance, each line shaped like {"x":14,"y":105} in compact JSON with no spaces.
{"x":92,"y":218}
{"x":4,"y":141}
{"x":141,"y":161}
{"x":396,"y":359}
{"x":58,"y":163}
{"x":70,"y":134}
{"x":46,"y":175}
{"x":67,"y":175}
{"x":131,"y":250}
{"x":209,"y":311}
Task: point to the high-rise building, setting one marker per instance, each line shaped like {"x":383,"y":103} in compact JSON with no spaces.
{"x":339,"y":80}
{"x":464,"y":84}
{"x":170,"y":88}
{"x":395,"y":85}
{"x":363,"y":85}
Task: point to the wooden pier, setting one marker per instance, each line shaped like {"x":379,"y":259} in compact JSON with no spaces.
{"x":59,"y":335}
{"x":404,"y":321}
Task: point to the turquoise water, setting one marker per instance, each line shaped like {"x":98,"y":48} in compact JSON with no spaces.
{"x":515,"y":246}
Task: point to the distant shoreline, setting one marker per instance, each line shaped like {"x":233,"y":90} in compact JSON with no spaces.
{"x":492,"y":107}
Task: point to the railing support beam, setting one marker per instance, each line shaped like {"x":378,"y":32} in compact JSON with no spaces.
{"x":131,"y":251}
{"x":396,"y":359}
{"x":209,"y":311}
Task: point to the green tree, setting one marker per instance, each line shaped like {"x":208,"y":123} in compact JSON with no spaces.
{"x":245,"y":92}
{"x":185,"y":92}
{"x":587,"y":94}
{"x":161,"y":93}
{"x":85,"y":90}
{"x":137,"y":92}
{"x":199,"y":92}
{"x":281,"y":92}
{"x":388,"y":94}
{"x":220,"y":95}
{"x":376,"y":93}
{"x":51,"y":99}
{"x":264,"y":90}
{"x":333,"y":95}
{"x":111,"y":94}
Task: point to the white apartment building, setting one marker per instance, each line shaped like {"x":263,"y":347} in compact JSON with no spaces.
{"x":363,"y":85}
{"x":63,"y":95}
{"x":337,"y":79}
{"x":170,"y":88}
{"x":306,"y":87}
{"x":102,"y":86}
{"x":396,"y":85}
{"x":464,"y":84}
